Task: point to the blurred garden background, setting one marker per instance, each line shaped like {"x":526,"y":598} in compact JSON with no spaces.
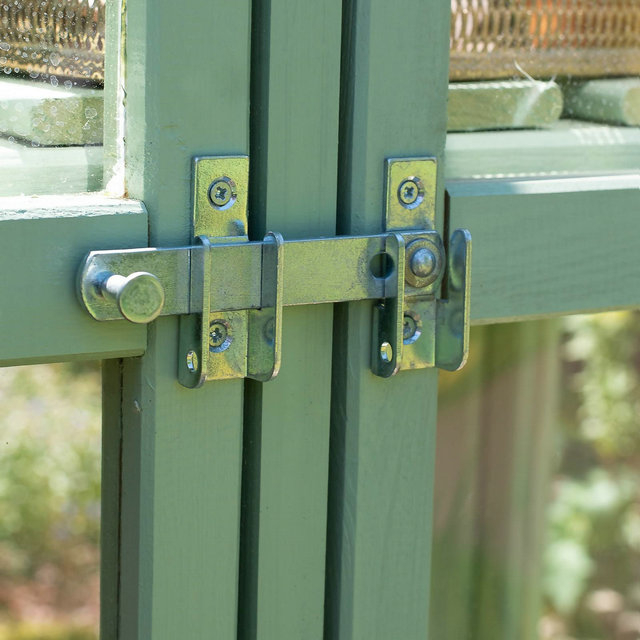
{"x":50,"y":502}
{"x":50,"y":492}
{"x":591,"y":577}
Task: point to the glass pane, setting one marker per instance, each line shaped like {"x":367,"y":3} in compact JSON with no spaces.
{"x":51,"y":95}
{"x":50,"y":502}
{"x":537,"y":500}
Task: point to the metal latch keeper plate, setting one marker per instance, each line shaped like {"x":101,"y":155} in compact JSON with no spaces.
{"x":230,"y":293}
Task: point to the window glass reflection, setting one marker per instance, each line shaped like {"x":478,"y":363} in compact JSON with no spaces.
{"x":51,"y":98}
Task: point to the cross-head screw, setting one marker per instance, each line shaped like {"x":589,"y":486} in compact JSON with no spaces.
{"x":409,"y":191}
{"x":219,"y":339}
{"x":409,"y":327}
{"x":222,"y":193}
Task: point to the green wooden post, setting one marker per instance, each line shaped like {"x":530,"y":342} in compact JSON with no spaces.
{"x":294,"y":135}
{"x":383,"y":430}
{"x":180,"y":450}
{"x":495,"y":428}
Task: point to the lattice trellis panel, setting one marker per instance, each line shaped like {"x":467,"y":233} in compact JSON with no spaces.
{"x":489,"y":38}
{"x":492,"y":38}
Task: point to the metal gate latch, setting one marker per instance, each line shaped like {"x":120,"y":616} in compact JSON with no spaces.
{"x":230,"y":293}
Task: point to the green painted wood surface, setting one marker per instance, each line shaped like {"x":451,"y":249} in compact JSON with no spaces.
{"x":294,"y":136}
{"x":514,"y":104}
{"x":549,"y":247}
{"x":459,"y":441}
{"x":50,"y":115}
{"x":515,"y":467}
{"x":179,"y":502}
{"x":567,"y":148}
{"x":496,"y":422}
{"x":42,"y":243}
{"x":383,"y":430}
{"x":110,"y":499}
{"x":610,"y":100}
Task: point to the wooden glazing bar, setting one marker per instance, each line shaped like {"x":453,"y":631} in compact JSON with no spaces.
{"x":295,"y":100}
{"x":383,"y":430}
{"x":181,"y":451}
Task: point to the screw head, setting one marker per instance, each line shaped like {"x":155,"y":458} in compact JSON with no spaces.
{"x":192,"y":361}
{"x":423,"y":262}
{"x":408,"y":191}
{"x":222,"y":193}
{"x":269,"y":331}
{"x":219,"y":338}
{"x":217,"y":334}
{"x":386,"y":352}
{"x":409,"y":327}
{"x":411,"y":330}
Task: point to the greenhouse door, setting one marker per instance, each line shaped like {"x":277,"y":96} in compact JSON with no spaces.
{"x":299,"y":508}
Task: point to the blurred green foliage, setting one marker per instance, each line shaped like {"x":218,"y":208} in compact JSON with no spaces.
{"x":50,"y":492}
{"x":592,"y":564}
{"x":26,"y":631}
{"x":49,"y":500}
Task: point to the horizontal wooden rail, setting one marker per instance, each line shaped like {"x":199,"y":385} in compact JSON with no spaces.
{"x":540,"y":248}
{"x":550,"y":247}
{"x":44,"y":240}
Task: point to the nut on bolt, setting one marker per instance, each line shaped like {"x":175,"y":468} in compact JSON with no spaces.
{"x":424,"y":262}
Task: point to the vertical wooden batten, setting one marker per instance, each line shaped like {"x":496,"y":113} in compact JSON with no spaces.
{"x":180,"y":462}
{"x":294,"y":137}
{"x":394,"y":92}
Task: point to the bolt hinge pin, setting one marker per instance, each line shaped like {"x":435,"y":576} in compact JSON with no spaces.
{"x":139,"y":296}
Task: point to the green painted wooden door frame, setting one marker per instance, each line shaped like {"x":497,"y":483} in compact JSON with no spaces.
{"x":302,"y":508}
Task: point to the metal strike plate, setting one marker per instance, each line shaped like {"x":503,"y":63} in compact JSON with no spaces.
{"x":214,"y":345}
{"x":434,"y":332}
{"x":230,"y":293}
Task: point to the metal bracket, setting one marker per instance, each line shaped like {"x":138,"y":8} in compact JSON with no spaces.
{"x":230,"y":293}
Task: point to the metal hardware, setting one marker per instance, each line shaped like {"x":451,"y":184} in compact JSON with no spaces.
{"x":230,"y":293}
{"x":139,"y":296}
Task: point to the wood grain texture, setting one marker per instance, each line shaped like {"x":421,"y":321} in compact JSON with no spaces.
{"x":180,"y":466}
{"x":456,"y":493}
{"x":383,"y":430}
{"x":496,"y":420}
{"x":610,"y":100}
{"x":295,"y":103}
{"x":549,"y":247}
{"x":518,"y":420}
{"x":514,"y":104}
{"x":43,"y":241}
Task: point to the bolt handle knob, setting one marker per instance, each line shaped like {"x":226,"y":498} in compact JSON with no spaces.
{"x":139,"y":296}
